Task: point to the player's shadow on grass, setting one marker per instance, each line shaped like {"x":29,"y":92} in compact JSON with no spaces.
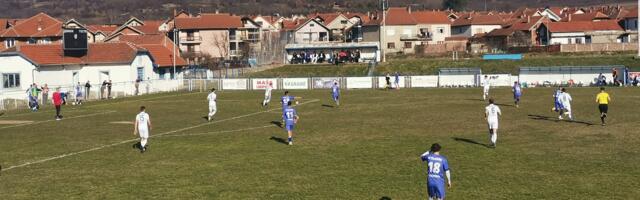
{"x":328,"y":106}
{"x":279,"y":140}
{"x":470,"y":141}
{"x":277,"y":123}
{"x":555,"y":119}
{"x":474,"y":99}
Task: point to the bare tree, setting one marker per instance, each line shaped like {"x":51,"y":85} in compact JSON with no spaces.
{"x":221,"y":42}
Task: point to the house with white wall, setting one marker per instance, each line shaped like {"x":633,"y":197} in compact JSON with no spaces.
{"x":49,"y":64}
{"x":473,"y":24}
{"x":433,"y":24}
{"x":580,"y":32}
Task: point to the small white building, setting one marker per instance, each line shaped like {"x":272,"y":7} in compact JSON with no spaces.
{"x":119,"y":62}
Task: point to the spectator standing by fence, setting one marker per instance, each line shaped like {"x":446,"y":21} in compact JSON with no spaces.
{"x":109,"y":84}
{"x":57,"y":102}
{"x":87,"y":90}
{"x":103,"y":86}
{"x":45,"y":94}
{"x":79,"y":93}
{"x":137,"y":85}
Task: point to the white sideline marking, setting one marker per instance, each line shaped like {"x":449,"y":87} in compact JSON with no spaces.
{"x":77,"y":108}
{"x":45,"y":121}
{"x":132,"y":140}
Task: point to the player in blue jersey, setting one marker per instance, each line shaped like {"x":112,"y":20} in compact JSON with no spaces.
{"x":335,"y":93}
{"x":284,"y":100}
{"x":517,"y":92}
{"x":438,"y":168}
{"x":557,"y":106}
{"x":290,"y":119}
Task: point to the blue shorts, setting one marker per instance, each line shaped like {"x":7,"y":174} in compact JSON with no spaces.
{"x":558,"y":106}
{"x":436,"y":191}
{"x":289,"y":127}
{"x":516,"y":96}
{"x":336,"y":97}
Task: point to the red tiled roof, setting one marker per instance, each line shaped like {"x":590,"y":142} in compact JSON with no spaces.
{"x":54,"y":30}
{"x":150,"y":27}
{"x":399,"y":16}
{"x":210,"y":21}
{"x":431,"y":17}
{"x":163,"y":56}
{"x":477,"y":19}
{"x":326,"y":17}
{"x":143,"y":39}
{"x":33,"y":25}
{"x":98,"y":53}
{"x":585,"y":17}
{"x":292,"y":24}
{"x":633,"y":13}
{"x":581,"y":26}
{"x":106,"y":29}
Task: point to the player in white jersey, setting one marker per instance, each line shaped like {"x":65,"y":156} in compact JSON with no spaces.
{"x":486,"y":86}
{"x":267,"y":95}
{"x":142,"y":127}
{"x":212,"y":104}
{"x":492,"y":114}
{"x":565,"y":99}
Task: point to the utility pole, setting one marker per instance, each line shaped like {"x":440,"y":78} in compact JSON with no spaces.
{"x":383,"y":30}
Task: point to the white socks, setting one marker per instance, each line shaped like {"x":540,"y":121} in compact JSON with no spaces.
{"x":494,"y":137}
{"x":143,"y":142}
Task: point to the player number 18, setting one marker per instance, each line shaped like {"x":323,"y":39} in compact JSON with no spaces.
{"x":434,"y":167}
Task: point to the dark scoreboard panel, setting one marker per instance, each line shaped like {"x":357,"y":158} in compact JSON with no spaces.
{"x":75,"y":39}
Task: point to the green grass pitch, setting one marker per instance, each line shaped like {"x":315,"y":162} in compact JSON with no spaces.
{"x":368,"y":148}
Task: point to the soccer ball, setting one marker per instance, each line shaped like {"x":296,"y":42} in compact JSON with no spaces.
{"x":73,"y":103}
{"x":297,"y":102}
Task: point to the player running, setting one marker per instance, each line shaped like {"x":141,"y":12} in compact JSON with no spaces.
{"x":290,"y":118}
{"x":517,"y":93}
{"x":603,"y":100}
{"x":557,"y":106}
{"x":213,"y":108}
{"x":267,"y":95}
{"x":565,"y":101}
{"x":438,"y":168}
{"x":335,"y":93}
{"x":487,"y":85}
{"x":491,"y":114}
{"x":142,"y":126}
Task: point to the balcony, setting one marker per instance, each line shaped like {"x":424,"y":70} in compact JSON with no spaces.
{"x":235,"y":53}
{"x":191,"y":39}
{"x":418,"y":37}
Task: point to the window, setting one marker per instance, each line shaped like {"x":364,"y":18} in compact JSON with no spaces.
{"x":587,"y":39}
{"x":140,"y":73}
{"x":343,"y":22}
{"x":312,"y":25}
{"x":232,"y":34}
{"x":191,"y":48}
{"x":32,"y":41}
{"x":578,"y":40}
{"x":172,"y":74}
{"x":10,"y":42}
{"x":408,"y":45}
{"x":440,"y":30}
{"x":323,"y":36}
{"x":391,"y":32}
{"x":391,"y":45}
{"x":259,"y":23}
{"x":11,"y":80}
{"x":162,"y":72}
{"x":45,"y":41}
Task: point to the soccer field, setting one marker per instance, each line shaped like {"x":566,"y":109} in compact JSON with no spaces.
{"x":368,"y":148}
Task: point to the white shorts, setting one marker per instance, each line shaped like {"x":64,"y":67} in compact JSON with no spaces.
{"x":212,"y":107}
{"x":567,"y":108}
{"x":493,"y":125}
{"x":144,"y":133}
{"x":267,"y":97}
{"x":486,"y":90}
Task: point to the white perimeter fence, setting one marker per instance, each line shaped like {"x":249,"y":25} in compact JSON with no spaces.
{"x":18,"y":99}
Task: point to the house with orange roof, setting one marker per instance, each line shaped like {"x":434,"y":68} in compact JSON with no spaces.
{"x":53,"y":65}
{"x":400,"y":31}
{"x":218,"y":35}
{"x":165,"y":53}
{"x":434,"y":25}
{"x":520,"y":33}
{"x":474,"y":24}
{"x":580,"y":32}
{"x":38,"y":29}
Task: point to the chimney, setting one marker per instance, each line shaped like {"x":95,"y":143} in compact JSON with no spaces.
{"x":409,"y":9}
{"x":569,"y":19}
{"x":528,"y":19}
{"x":217,"y":11}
